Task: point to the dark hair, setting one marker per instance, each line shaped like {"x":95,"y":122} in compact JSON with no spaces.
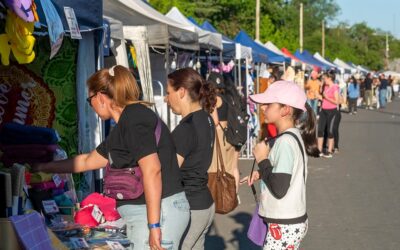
{"x":199,"y":90}
{"x":307,"y":125}
{"x":331,"y":74}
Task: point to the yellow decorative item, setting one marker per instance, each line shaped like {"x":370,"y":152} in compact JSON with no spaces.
{"x":18,"y":38}
{"x":4,"y":49}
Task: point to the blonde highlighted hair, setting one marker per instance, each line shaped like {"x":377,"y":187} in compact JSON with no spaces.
{"x":118,"y":84}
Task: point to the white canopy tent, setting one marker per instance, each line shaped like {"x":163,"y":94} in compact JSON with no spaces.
{"x":161,"y":29}
{"x":269,"y":45}
{"x":344,"y":65}
{"x":207,"y":39}
{"x":242,"y":52}
{"x":362,"y":69}
{"x":320,"y":58}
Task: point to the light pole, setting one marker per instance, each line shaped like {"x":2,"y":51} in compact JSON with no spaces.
{"x":301,"y":27}
{"x":258,"y":20}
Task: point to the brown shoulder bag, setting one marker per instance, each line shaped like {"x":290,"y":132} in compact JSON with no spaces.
{"x":222,"y":185}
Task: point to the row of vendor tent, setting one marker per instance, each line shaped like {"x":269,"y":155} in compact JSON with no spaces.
{"x":177,"y":30}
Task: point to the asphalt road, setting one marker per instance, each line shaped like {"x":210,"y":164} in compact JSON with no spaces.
{"x":353,"y":199}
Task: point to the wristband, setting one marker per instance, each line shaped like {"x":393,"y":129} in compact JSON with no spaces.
{"x":155,"y":225}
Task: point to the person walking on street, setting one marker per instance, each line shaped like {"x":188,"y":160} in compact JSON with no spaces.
{"x":383,"y":91}
{"x":190,"y":96}
{"x":313,"y":89}
{"x":353,"y":94}
{"x":368,"y":91}
{"x":283,"y":165}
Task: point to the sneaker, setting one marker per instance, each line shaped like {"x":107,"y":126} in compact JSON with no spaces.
{"x":321,"y":154}
{"x":327,"y":155}
{"x":336,"y":151}
{"x":355,"y":112}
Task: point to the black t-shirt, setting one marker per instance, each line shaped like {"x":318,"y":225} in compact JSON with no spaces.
{"x":368,"y":84}
{"x":384,"y":84}
{"x":133,"y":138}
{"x":194,"y":141}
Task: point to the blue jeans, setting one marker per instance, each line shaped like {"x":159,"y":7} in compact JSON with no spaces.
{"x":382,"y":97}
{"x":174,"y":218}
{"x":314,"y":105}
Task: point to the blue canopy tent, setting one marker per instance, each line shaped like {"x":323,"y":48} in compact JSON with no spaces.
{"x":244,"y":39}
{"x":309,"y":59}
{"x":229,"y":46}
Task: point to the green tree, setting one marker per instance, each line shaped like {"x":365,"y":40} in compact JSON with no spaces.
{"x":279,"y":23}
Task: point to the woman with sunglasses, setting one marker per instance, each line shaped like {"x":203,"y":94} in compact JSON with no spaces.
{"x":158,"y":218}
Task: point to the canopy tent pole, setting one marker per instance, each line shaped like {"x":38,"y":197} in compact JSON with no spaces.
{"x":167,"y":73}
{"x":140,"y":42}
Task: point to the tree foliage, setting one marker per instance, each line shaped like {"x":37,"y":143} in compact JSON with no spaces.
{"x":279,"y":23}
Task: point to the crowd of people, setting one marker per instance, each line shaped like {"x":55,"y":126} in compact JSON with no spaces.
{"x":330,"y":96}
{"x":177,"y":208}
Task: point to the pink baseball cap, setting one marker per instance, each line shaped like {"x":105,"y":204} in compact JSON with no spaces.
{"x":283,"y":92}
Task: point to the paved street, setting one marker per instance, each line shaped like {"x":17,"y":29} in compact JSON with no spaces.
{"x":353,"y":199}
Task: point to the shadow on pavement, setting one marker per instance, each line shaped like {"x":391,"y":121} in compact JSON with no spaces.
{"x":239,"y":239}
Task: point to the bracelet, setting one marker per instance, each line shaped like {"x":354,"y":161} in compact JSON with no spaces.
{"x":155,"y":225}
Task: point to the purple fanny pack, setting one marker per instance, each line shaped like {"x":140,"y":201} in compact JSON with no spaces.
{"x":126,"y":183}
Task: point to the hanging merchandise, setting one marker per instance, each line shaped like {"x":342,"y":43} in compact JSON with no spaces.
{"x":132,"y":58}
{"x":17,"y":39}
{"x":43,"y":93}
{"x":54,"y":26}
{"x":25,"y":9}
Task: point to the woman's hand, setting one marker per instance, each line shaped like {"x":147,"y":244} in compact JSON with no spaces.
{"x":250,"y":181}
{"x":261,"y":151}
{"x":155,"y":239}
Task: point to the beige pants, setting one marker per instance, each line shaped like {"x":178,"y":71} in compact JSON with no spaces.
{"x":228,"y":152}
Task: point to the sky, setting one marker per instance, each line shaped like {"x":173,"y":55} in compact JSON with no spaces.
{"x":383,"y":14}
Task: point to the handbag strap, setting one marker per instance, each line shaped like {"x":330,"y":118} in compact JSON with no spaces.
{"x":220,"y":159}
{"x":157,"y":133}
{"x":302,"y":151}
{"x":253,"y":189}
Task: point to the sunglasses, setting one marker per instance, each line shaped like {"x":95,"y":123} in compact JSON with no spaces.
{"x":89,"y":99}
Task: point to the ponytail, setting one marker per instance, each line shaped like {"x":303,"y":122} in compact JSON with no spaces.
{"x":208,"y":97}
{"x":307,"y":125}
{"x":199,"y":90}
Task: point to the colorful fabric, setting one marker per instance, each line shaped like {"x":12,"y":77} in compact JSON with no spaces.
{"x":43,"y":93}
{"x":31,"y":231}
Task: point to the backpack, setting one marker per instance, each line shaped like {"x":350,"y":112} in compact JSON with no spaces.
{"x":236,"y":131}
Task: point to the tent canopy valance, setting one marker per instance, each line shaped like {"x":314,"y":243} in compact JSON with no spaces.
{"x":161,"y":29}
{"x":207,"y":39}
{"x":344,"y":66}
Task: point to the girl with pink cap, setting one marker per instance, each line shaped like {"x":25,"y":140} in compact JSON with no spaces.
{"x":283,"y":162}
